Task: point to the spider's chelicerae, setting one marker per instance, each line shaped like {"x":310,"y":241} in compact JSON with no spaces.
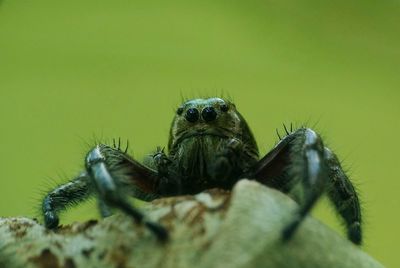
{"x":210,"y":146}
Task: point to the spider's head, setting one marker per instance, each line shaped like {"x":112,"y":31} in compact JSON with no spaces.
{"x":214,"y":117}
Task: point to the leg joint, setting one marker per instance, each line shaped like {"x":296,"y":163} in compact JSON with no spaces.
{"x":94,"y":157}
{"x":312,"y":140}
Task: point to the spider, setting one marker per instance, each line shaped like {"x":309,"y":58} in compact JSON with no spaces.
{"x":210,"y":146}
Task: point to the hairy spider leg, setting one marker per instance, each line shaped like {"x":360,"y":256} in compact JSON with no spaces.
{"x":299,"y":157}
{"x":105,"y":210}
{"x":344,"y":197}
{"x":109,"y":167}
{"x":65,"y":195}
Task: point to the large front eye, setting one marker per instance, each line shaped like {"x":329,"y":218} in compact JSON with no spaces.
{"x":192,"y":115}
{"x":209,"y":114}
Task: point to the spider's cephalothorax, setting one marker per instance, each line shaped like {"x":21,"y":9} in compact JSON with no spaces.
{"x":211,"y":146}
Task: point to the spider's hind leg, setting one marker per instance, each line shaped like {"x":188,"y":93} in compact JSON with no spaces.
{"x":344,"y":197}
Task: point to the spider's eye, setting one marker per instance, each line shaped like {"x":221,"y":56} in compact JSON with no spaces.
{"x":209,"y":114}
{"x":179,"y":111}
{"x":192,"y":115}
{"x":224,"y":107}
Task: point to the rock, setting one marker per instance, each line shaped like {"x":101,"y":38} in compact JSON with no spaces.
{"x":211,"y":229}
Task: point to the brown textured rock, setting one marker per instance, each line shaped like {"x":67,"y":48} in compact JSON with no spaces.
{"x":211,"y":229}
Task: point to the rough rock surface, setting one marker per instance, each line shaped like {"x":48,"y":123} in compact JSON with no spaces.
{"x":211,"y":229}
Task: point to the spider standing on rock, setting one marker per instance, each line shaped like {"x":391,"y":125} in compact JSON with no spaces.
{"x":210,"y":146}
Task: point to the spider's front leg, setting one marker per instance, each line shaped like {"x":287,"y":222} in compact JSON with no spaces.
{"x":113,"y":175}
{"x":301,"y":157}
{"x":112,"y":172}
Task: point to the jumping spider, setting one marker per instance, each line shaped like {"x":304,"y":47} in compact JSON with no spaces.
{"x":210,"y":146}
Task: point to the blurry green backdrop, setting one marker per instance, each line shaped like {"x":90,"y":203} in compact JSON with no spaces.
{"x":74,"y":70}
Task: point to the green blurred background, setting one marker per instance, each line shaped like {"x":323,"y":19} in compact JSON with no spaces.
{"x":74,"y":70}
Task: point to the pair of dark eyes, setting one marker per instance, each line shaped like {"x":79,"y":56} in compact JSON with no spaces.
{"x":223,"y":108}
